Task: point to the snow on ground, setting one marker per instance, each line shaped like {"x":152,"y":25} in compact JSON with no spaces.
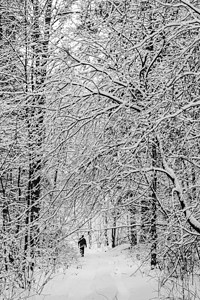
{"x":101,"y":275}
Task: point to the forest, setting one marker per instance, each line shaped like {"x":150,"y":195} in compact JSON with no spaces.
{"x":99,"y":133}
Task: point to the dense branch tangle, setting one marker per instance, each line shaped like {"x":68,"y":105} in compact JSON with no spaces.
{"x":102,"y":105}
{"x":143,"y":55}
{"x":24,"y":83}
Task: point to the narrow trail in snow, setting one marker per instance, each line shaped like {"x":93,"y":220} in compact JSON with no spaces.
{"x":101,"y":276}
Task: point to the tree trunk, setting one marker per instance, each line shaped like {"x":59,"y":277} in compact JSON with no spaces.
{"x":133,"y":231}
{"x":35,"y":124}
{"x":106,"y":242}
{"x":90,"y":234}
{"x":153,"y":229}
{"x":5,"y":215}
{"x":114,"y":232}
{"x":144,"y":220}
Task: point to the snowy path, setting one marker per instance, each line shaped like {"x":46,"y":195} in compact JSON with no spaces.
{"x":100,"y":276}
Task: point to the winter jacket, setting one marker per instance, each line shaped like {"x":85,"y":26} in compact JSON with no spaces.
{"x":82,"y":243}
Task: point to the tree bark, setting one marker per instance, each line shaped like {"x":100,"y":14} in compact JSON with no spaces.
{"x":106,"y":231}
{"x":35,"y":124}
{"x":153,"y":229}
{"x":114,"y":232}
{"x":133,"y":231}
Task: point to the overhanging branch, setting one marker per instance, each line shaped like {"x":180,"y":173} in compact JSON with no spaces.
{"x":194,"y":223}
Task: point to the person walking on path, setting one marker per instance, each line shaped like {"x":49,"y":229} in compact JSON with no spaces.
{"x":82,"y":244}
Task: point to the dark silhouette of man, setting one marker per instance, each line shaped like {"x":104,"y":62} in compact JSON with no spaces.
{"x":82,"y":244}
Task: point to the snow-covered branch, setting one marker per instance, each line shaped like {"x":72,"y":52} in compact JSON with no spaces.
{"x":195,"y":224}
